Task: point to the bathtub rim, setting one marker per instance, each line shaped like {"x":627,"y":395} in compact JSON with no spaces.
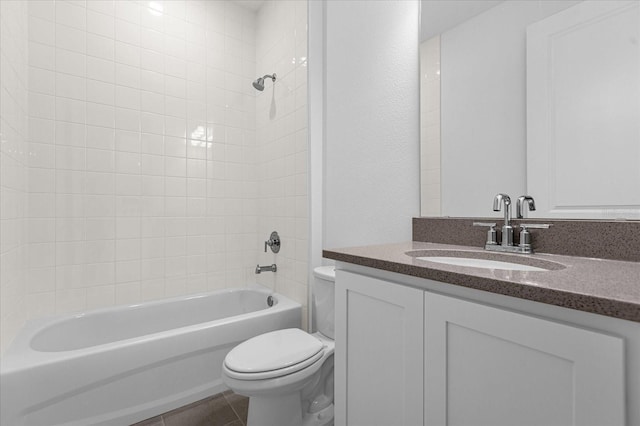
{"x":21,"y":356}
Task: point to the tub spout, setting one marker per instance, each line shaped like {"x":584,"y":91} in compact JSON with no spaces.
{"x":268,"y":268}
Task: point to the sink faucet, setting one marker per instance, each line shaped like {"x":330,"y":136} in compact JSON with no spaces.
{"x":507,"y":229}
{"x":506,"y":245}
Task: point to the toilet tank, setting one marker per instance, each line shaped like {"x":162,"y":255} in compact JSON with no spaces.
{"x":324,"y":278}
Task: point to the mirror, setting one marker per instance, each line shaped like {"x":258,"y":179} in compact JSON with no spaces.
{"x":479,"y":136}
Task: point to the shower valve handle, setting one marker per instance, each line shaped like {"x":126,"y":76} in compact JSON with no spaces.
{"x":273,"y":242}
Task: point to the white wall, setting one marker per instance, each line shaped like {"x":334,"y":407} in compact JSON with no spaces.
{"x":13,"y":167}
{"x":483,"y":106}
{"x":371,"y":170}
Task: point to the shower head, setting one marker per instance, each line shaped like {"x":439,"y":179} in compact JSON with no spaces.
{"x":259,"y":83}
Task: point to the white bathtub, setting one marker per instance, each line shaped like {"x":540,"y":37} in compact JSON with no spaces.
{"x":120,"y":365}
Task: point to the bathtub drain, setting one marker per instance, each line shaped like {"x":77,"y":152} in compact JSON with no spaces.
{"x":270,"y":301}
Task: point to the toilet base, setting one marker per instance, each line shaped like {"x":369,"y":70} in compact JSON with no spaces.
{"x":285,"y":411}
{"x":281,"y":410}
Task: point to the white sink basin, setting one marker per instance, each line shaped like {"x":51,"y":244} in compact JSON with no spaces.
{"x":481,"y":263}
{"x":485,"y":260}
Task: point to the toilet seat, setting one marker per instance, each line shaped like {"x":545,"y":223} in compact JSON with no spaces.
{"x":273,"y":354}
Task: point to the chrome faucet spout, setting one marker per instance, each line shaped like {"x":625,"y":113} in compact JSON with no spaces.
{"x":524,"y":200}
{"x":507,"y":229}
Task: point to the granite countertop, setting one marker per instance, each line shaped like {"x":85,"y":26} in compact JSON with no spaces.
{"x":605,"y":287}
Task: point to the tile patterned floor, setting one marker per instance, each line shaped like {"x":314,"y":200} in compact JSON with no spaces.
{"x":223,"y":409}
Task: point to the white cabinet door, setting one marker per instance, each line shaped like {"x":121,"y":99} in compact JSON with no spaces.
{"x":379,"y":352}
{"x":489,"y":366}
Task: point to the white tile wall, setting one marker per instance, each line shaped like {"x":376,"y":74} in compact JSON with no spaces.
{"x":282,"y":145}
{"x":14,"y":162}
{"x":430,"y":197}
{"x":155,"y":168}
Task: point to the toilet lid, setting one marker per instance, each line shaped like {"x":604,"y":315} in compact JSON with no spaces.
{"x":273,"y":351}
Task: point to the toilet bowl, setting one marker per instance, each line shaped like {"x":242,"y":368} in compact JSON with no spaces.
{"x":288,"y":374}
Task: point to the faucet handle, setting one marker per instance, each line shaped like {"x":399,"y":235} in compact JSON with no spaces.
{"x":535,"y":225}
{"x":492,"y":235}
{"x":525,"y":236}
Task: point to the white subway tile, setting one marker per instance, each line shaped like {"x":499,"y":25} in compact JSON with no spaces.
{"x":127,"y":54}
{"x":127,"y":206}
{"x":70,"y":86}
{"x":127,"y":271}
{"x":71,"y":39}
{"x":100,"y":160}
{"x":127,"y":141}
{"x":101,"y":228}
{"x":42,"y":31}
{"x":101,"y":69}
{"x":152,"y":269}
{"x":70,"y":158}
{"x":72,"y":134}
{"x":152,"y":164}
{"x":99,"y":183}
{"x":42,"y":180}
{"x":102,"y":6}
{"x":175,"y":107}
{"x":70,"y":276}
{"x":44,"y":9}
{"x":100,"y":23}
{"x":69,"y":62}
{"x":100,"y":251}
{"x":42,"y":81}
{"x":101,"y":47}
{"x":69,"y":181}
{"x":127,"y":76}
{"x":128,"y":184}
{"x":71,"y":110}
{"x":152,"y":143}
{"x":101,"y":92}
{"x":71,"y":15}
{"x":69,"y":205}
{"x":128,"y":162}
{"x":41,"y":230}
{"x":41,"y":106}
{"x":152,"y":186}
{"x":152,"y":81}
{"x":70,"y":300}
{"x":103,"y":295}
{"x":70,"y":229}
{"x":127,"y":119}
{"x":127,"y":32}
{"x":99,"y":206}
{"x":42,"y":56}
{"x":152,"y":102}
{"x":99,"y":276}
{"x":152,"y":17}
{"x":128,"y":249}
{"x":175,"y":146}
{"x":175,"y":187}
{"x":41,"y":280}
{"x":152,"y":123}
{"x":127,"y":97}
{"x":101,"y":116}
{"x":69,"y":253}
{"x":129,"y":11}
{"x":41,"y":304}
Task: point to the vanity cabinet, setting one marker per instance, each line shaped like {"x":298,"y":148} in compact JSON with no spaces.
{"x":411,"y":356}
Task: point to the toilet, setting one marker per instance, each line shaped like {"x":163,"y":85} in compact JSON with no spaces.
{"x":288,"y":374}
